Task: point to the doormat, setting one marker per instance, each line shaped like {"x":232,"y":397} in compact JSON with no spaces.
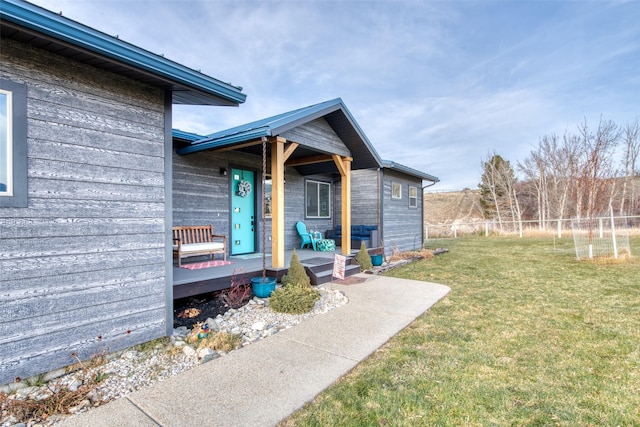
{"x":250,"y":256}
{"x":351,"y":280}
{"x":206,"y":264}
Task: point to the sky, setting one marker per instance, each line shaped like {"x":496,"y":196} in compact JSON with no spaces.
{"x":438,"y":86}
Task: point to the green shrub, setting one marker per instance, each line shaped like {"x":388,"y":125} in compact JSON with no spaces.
{"x":293,"y":299}
{"x":363,"y":258}
{"x":296,"y":274}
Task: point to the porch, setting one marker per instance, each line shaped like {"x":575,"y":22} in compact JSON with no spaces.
{"x":187,"y":282}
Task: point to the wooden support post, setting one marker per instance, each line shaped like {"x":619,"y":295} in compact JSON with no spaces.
{"x":344,"y":166}
{"x":277,"y":202}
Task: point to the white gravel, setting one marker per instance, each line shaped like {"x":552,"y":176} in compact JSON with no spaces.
{"x":130,"y":370}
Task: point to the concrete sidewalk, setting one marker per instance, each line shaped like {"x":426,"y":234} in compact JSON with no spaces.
{"x":267,"y":381}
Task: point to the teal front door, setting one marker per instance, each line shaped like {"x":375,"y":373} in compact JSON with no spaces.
{"x":243,"y":212}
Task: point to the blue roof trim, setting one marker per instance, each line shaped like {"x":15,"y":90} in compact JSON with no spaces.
{"x":388,"y":164}
{"x":45,"y":22}
{"x":275,"y":125}
{"x":185,"y":136}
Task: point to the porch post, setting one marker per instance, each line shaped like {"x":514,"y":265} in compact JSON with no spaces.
{"x":277,"y":202}
{"x":344,"y":166}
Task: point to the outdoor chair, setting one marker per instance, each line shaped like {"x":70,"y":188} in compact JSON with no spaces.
{"x":307,"y":238}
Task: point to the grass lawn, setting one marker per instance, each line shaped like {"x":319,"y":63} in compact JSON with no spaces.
{"x":528,"y":336}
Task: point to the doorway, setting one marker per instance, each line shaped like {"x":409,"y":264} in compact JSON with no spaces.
{"x":243,"y":212}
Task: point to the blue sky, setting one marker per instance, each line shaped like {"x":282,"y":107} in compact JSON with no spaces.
{"x":437,"y":86}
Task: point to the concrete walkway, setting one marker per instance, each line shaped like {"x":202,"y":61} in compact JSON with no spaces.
{"x":267,"y":381}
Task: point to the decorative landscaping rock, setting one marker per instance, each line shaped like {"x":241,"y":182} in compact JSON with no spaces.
{"x":135,"y":369}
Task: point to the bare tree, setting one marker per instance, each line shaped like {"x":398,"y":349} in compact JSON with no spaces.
{"x":631,"y":139}
{"x":597,"y":168}
{"x":552,"y":170}
{"x":535,"y":169}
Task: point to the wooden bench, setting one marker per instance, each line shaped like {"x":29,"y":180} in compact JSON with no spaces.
{"x":193,"y":240}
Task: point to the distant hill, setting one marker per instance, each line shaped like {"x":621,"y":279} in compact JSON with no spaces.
{"x":454,"y":206}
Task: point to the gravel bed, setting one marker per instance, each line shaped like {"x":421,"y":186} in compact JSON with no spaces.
{"x":135,"y":368}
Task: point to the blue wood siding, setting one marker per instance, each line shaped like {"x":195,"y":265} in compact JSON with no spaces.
{"x":402,"y":224}
{"x":86,"y":257}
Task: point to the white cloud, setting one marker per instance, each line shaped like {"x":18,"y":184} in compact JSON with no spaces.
{"x":435,"y":85}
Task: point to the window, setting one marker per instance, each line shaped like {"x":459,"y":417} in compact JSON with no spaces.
{"x":413,"y":197}
{"x":396,"y":190}
{"x":267,"y":196}
{"x":6,"y":145}
{"x":13,"y":144}
{"x":318,"y":199}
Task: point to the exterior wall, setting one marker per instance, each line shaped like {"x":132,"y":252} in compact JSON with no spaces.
{"x":365,"y":197}
{"x":86,"y":258}
{"x":401,"y":224}
{"x":317,"y":134}
{"x":202,"y":196}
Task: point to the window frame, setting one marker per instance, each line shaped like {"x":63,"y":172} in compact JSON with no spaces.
{"x":268,"y":209}
{"x":395,"y":185}
{"x":414,"y":198}
{"x":16,"y":193}
{"x":306,"y":199}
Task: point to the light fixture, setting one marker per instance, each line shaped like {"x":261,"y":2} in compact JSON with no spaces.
{"x":223,"y":171}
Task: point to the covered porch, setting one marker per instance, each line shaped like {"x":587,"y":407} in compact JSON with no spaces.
{"x":188,"y":283}
{"x":316,"y":146}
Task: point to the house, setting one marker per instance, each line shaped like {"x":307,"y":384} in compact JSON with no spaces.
{"x":93,"y":179}
{"x":209,"y":169}
{"x":392,"y":199}
{"x":86,"y":200}
{"x":310,"y":154}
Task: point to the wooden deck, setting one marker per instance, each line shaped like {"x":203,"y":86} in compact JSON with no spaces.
{"x":187,"y":282}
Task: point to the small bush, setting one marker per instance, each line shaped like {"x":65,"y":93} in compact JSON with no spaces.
{"x":363,"y":258}
{"x":221,"y":341}
{"x":296,"y":274}
{"x":239,"y":293}
{"x":293,"y":299}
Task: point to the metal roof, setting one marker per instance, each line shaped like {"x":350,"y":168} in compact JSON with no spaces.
{"x":388,"y":164}
{"x":31,"y":24}
{"x":333,"y":111}
{"x":183,"y":136}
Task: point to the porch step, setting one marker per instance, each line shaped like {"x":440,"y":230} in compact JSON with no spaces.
{"x":321,"y":272}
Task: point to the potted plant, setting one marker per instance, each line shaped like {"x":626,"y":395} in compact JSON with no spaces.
{"x":376,"y":256}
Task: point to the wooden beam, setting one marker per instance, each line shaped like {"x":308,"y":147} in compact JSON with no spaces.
{"x":320,"y":158}
{"x":344,"y":166}
{"x":289,"y":150}
{"x":277,"y":202}
{"x":340,"y":163}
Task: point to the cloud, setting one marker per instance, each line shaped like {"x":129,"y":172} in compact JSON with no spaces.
{"x":434,"y":85}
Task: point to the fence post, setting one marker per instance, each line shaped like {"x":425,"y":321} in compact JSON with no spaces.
{"x":559,"y":229}
{"x":486,"y":229}
{"x":520,"y":227}
{"x":426,"y":232}
{"x":613,"y":236}
{"x":455,"y":231}
{"x":600,"y":228}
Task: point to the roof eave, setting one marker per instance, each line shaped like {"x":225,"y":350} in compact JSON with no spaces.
{"x":387,"y":164}
{"x":55,"y":26}
{"x":224,"y":142}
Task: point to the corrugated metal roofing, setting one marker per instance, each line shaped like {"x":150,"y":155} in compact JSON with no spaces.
{"x":388,"y":164}
{"x":44,"y":29}
{"x":333,"y":111}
